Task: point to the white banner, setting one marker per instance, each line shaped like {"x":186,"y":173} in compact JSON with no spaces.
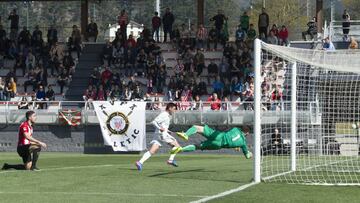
{"x":122,"y":124}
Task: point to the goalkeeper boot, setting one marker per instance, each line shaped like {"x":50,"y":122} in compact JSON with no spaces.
{"x":172,"y":163}
{"x":5,"y":166}
{"x":138,"y":166}
{"x":176,"y":150}
{"x":183,"y":135}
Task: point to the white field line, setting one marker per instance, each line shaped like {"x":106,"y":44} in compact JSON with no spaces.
{"x":228,"y":192}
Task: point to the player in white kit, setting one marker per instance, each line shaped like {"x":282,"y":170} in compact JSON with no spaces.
{"x":161,"y":135}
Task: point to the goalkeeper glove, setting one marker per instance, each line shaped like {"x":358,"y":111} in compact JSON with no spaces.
{"x":248,"y":155}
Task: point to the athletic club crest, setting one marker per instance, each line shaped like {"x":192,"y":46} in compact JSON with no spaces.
{"x":117,"y":123}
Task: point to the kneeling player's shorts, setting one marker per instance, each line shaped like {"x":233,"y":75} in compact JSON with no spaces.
{"x":24,"y":153}
{"x":162,"y":138}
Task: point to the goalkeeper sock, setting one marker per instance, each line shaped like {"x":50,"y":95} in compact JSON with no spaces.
{"x":191,"y":131}
{"x":189,"y":148}
{"x":172,"y":157}
{"x":145,"y":157}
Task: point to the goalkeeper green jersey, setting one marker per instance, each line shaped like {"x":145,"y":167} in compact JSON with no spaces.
{"x":235,"y":138}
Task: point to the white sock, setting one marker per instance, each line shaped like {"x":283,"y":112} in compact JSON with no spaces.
{"x":145,"y":157}
{"x":172,"y":156}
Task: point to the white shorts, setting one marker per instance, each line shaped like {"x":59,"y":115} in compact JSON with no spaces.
{"x":162,"y":138}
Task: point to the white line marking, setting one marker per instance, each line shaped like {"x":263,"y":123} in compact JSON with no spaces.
{"x":66,"y":168}
{"x":102,"y":193}
{"x":243,"y":187}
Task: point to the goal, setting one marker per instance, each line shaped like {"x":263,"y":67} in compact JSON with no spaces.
{"x":307,"y":114}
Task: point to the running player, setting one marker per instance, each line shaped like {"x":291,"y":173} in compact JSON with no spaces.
{"x":27,"y":145}
{"x":161,"y":135}
{"x":234,"y":138}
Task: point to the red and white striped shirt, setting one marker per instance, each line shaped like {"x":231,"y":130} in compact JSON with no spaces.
{"x":24,"y":128}
{"x":202,"y":33}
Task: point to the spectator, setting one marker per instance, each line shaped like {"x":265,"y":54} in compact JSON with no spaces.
{"x":131,"y":41}
{"x":14,"y":24}
{"x":312,"y":29}
{"x":100,"y":95}
{"x":107,"y":53}
{"x":62,"y":80}
{"x":127,"y":94}
{"x":123,"y":20}
{"x":212,"y":38}
{"x":201,"y":36}
{"x":224,"y":68}
{"x":95,"y":77}
{"x":244,"y":22}
{"x":263,"y":23}
{"x":40,"y":96}
{"x":276,"y":142}
{"x":23,"y":104}
{"x":156,"y":23}
{"x":132,"y":84}
{"x":236,"y":86}
{"x":192,"y":36}
{"x":37,"y":37}
{"x":346,"y":24}
{"x":115,"y":92}
{"x":251,"y":33}
{"x":138,"y":94}
{"x":188,"y":59}
{"x":184,"y":103}
{"x":283,"y":36}
{"x":226,"y":105}
{"x":106,"y":77}
{"x":179,"y":68}
{"x":218,"y":86}
{"x":90,"y":94}
{"x":248,"y":96}
{"x":276,"y":98}
{"x":160,"y":79}
{"x":275,"y":30}
{"x":272,"y":39}
{"x":213,"y":70}
{"x":240,"y":35}
{"x":74,"y":43}
{"x":24,"y":38}
{"x":11,"y":89}
{"x":2,"y":90}
{"x":31,"y":80}
{"x":168,"y":21}
{"x":215,"y":102}
{"x":328,"y":45}
{"x":91,"y":31}
{"x":196,"y":105}
{"x":353,"y":43}
{"x":52,"y":35}
{"x":50,"y":94}
{"x":184,"y":37}
{"x":219,"y":20}
{"x":29,"y":63}
{"x":199,"y":62}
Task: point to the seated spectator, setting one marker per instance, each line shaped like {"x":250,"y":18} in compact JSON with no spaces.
{"x":236,"y":86}
{"x":312,"y":29}
{"x":192,"y":36}
{"x":215,"y":102}
{"x":213,"y":70}
{"x":248,"y":96}
{"x":161,"y":75}
{"x":328,"y":45}
{"x":91,"y":31}
{"x":24,"y":38}
{"x":272,"y":39}
{"x":212,"y":38}
{"x":184,"y":34}
{"x":283,"y":36}
{"x":90,"y":94}
{"x":40,"y":96}
{"x":251,"y":33}
{"x":100,"y":95}
{"x":95,"y":77}
{"x":127,"y":94}
{"x":52,"y":35}
{"x":138,"y":94}
{"x":31,"y":80}
{"x":218,"y":86}
{"x":23,"y":104}
{"x":106,"y":77}
{"x":199,"y":62}
{"x":187,"y":59}
{"x":276,"y":98}
{"x":226,"y":105}
{"x":184,"y":103}
{"x":202,"y":36}
{"x":275,"y":30}
{"x":50,"y":94}
{"x":20,"y":64}
{"x":196,"y":104}
{"x":62,"y":80}
{"x":131,"y":41}
{"x":353,"y":43}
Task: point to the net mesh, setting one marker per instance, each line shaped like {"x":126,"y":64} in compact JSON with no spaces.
{"x":327,"y":118}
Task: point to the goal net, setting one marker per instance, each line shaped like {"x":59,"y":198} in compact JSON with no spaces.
{"x":307,"y":114}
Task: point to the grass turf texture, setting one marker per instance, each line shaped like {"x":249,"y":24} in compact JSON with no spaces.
{"x":67,"y":177}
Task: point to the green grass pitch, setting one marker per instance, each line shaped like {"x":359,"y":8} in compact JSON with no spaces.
{"x":69,"y":177}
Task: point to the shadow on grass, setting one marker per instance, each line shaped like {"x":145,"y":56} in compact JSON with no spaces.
{"x":175,"y":172}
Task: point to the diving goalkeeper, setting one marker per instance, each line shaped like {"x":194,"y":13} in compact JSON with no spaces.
{"x":234,"y":138}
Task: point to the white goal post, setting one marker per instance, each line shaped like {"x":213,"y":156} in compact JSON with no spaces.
{"x":306,"y":115}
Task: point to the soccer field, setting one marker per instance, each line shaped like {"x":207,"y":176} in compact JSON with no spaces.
{"x":69,"y":177}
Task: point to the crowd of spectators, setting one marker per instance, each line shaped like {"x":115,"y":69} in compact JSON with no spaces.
{"x":34,"y":58}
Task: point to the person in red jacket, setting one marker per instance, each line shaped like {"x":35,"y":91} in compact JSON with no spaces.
{"x":156,"y":23}
{"x":283,"y":36}
{"x":215,"y":102}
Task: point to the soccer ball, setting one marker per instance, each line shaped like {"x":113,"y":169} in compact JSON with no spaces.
{"x":354,"y":126}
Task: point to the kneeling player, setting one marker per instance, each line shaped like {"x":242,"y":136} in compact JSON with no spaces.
{"x":234,"y":138}
{"x":27,"y":145}
{"x":161,"y":135}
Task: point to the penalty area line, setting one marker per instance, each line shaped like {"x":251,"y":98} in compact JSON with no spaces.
{"x":228,"y":192}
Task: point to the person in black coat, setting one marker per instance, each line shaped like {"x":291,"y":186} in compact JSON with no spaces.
{"x":168,"y":21}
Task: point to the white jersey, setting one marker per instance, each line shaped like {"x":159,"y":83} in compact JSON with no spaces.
{"x":162,"y":121}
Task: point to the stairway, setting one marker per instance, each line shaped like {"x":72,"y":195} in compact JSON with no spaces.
{"x":89,"y":59}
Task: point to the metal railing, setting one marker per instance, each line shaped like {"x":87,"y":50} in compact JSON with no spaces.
{"x":230,"y":113}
